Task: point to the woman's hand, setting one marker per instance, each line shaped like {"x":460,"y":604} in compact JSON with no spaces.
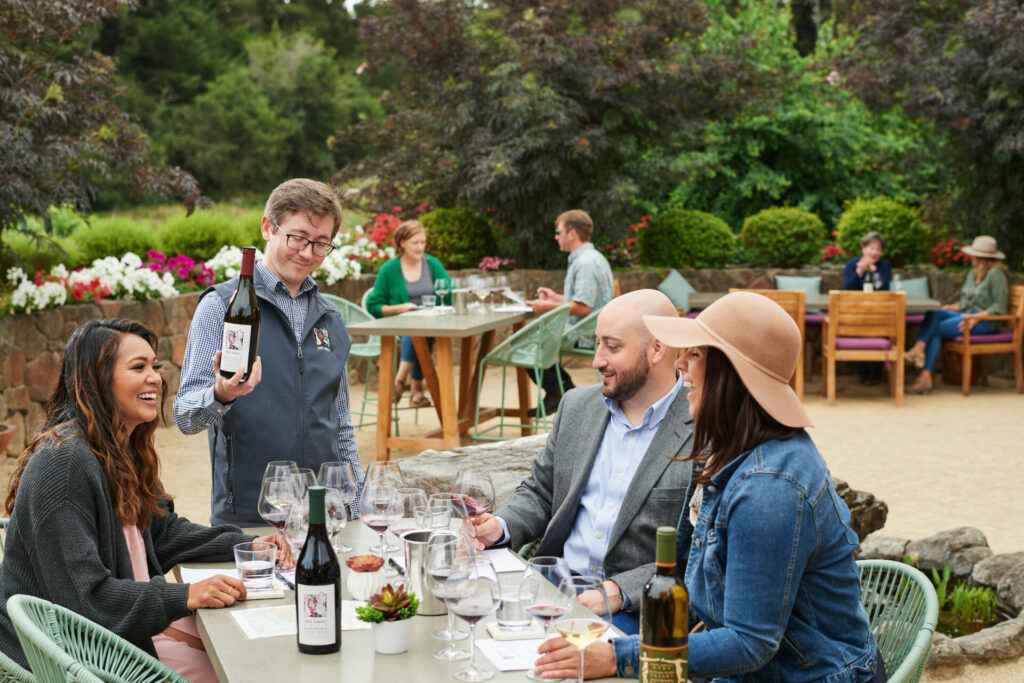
{"x":285,"y":559}
{"x":215,"y":592}
{"x":864,"y":265}
{"x":562,"y":660}
{"x":397,"y":309}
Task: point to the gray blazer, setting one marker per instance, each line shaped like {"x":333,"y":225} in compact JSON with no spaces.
{"x":545,"y":505}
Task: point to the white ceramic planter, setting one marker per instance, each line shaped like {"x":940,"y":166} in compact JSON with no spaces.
{"x":391,"y":637}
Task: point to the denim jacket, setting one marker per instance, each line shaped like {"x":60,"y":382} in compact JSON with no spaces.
{"x":771,"y":574}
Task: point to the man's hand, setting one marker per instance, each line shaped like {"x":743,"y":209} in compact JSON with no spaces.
{"x":488,"y":530}
{"x":542,"y":305}
{"x":227,"y":390}
{"x":285,"y":560}
{"x":548,"y":294}
{"x":592,"y":599}
{"x":561,"y":660}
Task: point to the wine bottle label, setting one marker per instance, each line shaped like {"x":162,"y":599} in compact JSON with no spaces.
{"x":234,"y":348}
{"x":316,"y":615}
{"x":663,"y":664}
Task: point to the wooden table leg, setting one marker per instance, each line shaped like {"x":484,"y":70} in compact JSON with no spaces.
{"x":385,"y":386}
{"x":467,"y":362}
{"x":523,"y":385}
{"x":429,"y":372}
{"x":469,"y":405}
{"x":446,"y":392}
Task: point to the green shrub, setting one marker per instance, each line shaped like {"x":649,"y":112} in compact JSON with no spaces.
{"x":785,"y":237}
{"x":202,"y":234}
{"x":691,"y":239}
{"x":458,"y":237}
{"x":64,"y":220}
{"x":112,"y":237}
{"x":906,"y":237}
{"x":30,"y":253}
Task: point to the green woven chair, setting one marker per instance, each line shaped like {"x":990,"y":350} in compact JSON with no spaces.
{"x":580,"y":339}
{"x":361,"y":352}
{"x":3,"y":536}
{"x":535,"y":347}
{"x":63,"y":646}
{"x":10,"y":672}
{"x":903,"y":609}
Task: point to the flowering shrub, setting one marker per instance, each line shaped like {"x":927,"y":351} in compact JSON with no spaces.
{"x":832,"y":253}
{"x":622,"y":253}
{"x":946,"y":254}
{"x":29,"y":297}
{"x":495,"y":263}
{"x":384,"y":226}
{"x":228,"y":263}
{"x":190,"y":275}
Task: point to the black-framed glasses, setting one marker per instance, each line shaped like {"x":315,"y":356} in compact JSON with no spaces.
{"x":299,"y":243}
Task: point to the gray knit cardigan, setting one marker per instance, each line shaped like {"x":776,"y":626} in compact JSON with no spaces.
{"x":66,"y":544}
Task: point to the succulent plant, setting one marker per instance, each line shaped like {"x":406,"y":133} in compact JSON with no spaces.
{"x":392,"y":603}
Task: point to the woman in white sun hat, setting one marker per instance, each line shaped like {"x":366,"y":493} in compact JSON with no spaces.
{"x":770,"y":568}
{"x":985,"y":292}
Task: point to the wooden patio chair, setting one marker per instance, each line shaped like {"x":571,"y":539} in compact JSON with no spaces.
{"x":865,"y":326}
{"x":1010,"y":340}
{"x":794,"y":303}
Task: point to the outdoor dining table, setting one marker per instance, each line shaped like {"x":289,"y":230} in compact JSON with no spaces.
{"x":237,"y":659}
{"x":476,"y":331}
{"x":814,"y":302}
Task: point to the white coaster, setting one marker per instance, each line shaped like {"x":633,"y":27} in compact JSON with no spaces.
{"x":532,"y":632}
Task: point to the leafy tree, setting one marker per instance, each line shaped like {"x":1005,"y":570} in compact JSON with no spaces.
{"x":60,"y":132}
{"x":523,"y":108}
{"x":960,"y":65}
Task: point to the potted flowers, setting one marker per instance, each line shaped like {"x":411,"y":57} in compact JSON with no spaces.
{"x":389,"y":612}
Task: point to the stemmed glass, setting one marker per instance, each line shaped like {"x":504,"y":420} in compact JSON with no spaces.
{"x":277,"y":497}
{"x":446,"y":553}
{"x":297,"y":526}
{"x":380,"y":507}
{"x":477,"y":491}
{"x":340,"y":481}
{"x":389,"y":473}
{"x":280,"y":468}
{"x":442,"y":287}
{"x":582,"y":631}
{"x":410,"y":501}
{"x":476,"y":596}
{"x":448,"y":511}
{"x":306,"y":478}
{"x":539,"y":593}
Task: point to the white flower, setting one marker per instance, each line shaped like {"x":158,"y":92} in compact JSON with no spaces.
{"x":16,"y":276}
{"x":60,"y":270}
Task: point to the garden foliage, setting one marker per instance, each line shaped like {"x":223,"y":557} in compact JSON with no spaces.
{"x":460,"y":238}
{"x":111,"y":237}
{"x":905,"y":235}
{"x":679,"y":238}
{"x":786,"y":237}
{"x":204,"y":233}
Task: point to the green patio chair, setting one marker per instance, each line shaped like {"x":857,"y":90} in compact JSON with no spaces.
{"x":361,"y":352}
{"x":63,"y":646}
{"x":11,"y":672}
{"x":3,"y":536}
{"x":903,"y":609}
{"x":580,"y":339}
{"x":535,"y":347}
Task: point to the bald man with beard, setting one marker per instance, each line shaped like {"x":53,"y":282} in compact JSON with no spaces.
{"x":612,"y":470}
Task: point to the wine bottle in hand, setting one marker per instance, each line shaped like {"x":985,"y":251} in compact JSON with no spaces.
{"x":318,"y":585}
{"x":241,"y":324}
{"x":663,"y":617}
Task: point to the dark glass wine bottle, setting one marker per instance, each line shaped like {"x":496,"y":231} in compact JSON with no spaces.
{"x":664,"y":617}
{"x":241,"y":340}
{"x":318,"y":585}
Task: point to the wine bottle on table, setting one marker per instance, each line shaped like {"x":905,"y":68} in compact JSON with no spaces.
{"x":664,"y":618}
{"x":240,"y":344}
{"x":318,"y":585}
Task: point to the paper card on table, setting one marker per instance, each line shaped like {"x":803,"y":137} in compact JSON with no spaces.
{"x":512,"y":308}
{"x":510,"y":655}
{"x":349,"y":621}
{"x":195,"y":575}
{"x":504,"y":560}
{"x":266,"y":622}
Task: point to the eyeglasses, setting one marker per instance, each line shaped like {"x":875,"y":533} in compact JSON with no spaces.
{"x":299,"y":243}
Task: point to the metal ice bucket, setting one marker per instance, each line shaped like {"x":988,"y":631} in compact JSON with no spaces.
{"x":415,"y":545}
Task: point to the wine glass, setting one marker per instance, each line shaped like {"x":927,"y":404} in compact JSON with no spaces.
{"x":539,"y":593}
{"x":445,"y":553}
{"x":379,"y":507}
{"x":296,"y":527}
{"x":410,"y":500}
{"x":280,"y":468}
{"x":386,"y":472}
{"x":305,"y":478}
{"x":582,"y":631}
{"x":476,"y":595}
{"x":477,"y":491}
{"x":448,"y":511}
{"x":340,"y":481}
{"x":277,"y":497}
{"x":443,"y":287}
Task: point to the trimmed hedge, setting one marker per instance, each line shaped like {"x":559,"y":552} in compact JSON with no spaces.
{"x":202,"y":234}
{"x":458,"y":237}
{"x":111,"y":237}
{"x":680,"y":238}
{"x":906,"y":237}
{"x":786,"y":237}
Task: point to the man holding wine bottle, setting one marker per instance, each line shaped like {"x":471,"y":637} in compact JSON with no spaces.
{"x":612,"y":469}
{"x":294,"y":406}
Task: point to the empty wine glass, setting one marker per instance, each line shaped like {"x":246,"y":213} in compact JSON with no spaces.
{"x":340,"y":481}
{"x":379,"y":507}
{"x":443,"y":288}
{"x":277,"y":497}
{"x":582,"y":631}
{"x":305,"y":478}
{"x":297,"y":525}
{"x":476,"y":595}
{"x":539,"y":593}
{"x":445,"y":553}
{"x":389,"y":473}
{"x":410,"y":500}
{"x":280,"y":468}
{"x":477,"y":491}
{"x":448,"y":510}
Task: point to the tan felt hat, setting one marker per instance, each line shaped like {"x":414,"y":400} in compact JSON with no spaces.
{"x":758,"y":337}
{"x":984,"y":246}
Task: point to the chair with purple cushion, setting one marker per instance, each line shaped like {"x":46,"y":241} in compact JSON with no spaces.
{"x":1006,"y":341}
{"x":865,"y":326}
{"x":794,"y":303}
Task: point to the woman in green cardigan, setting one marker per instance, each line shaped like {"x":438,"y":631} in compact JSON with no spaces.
{"x":401,"y":283}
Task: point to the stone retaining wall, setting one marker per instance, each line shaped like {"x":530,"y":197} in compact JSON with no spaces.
{"x":31,"y":345}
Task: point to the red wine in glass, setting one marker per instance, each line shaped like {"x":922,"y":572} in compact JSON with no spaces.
{"x":276,"y":518}
{"x":546,"y":612}
{"x":379,"y":523}
{"x":474,"y":508}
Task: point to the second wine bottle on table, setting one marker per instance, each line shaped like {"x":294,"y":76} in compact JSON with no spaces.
{"x":318,"y":585}
{"x":664,"y":619}
{"x":240,"y":344}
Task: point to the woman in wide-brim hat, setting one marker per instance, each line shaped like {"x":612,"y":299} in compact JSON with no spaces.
{"x":770,"y":569}
{"x":985,"y":292}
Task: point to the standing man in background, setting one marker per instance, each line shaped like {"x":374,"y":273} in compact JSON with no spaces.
{"x":296,"y":406}
{"x":588,"y":287}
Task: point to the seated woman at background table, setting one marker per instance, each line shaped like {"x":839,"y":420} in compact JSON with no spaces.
{"x":770,"y":568}
{"x":91,"y":526}
{"x":871,"y":267}
{"x":985,"y":292}
{"x":401,"y":284}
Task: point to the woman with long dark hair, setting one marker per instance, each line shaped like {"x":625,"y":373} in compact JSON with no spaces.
{"x":91,"y":526}
{"x":770,"y":568}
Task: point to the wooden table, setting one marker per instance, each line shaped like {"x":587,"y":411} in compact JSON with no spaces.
{"x":476,"y":332}
{"x":701,"y":300}
{"x":238,"y":660}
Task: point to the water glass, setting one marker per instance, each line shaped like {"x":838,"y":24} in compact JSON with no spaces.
{"x":429,"y":300}
{"x":255,"y":562}
{"x":511,"y":613}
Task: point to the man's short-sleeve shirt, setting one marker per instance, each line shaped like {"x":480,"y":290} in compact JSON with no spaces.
{"x":588,"y":279}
